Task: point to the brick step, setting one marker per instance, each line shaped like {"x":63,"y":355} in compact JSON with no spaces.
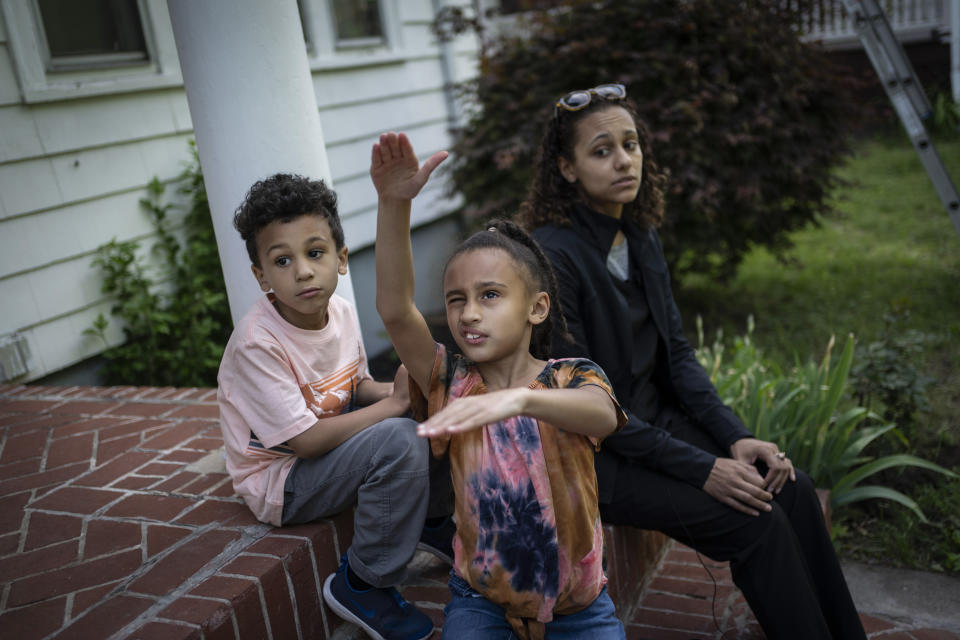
{"x":632,"y":558}
{"x":117,"y":519}
{"x":263,"y":582}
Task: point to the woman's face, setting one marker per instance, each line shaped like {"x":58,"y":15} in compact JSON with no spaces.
{"x":607,"y":163}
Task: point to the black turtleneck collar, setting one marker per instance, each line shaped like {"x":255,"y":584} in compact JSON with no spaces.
{"x":600,"y":229}
{"x":597,"y":228}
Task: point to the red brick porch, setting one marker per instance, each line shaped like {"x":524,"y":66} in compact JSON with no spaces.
{"x":117,"y":521}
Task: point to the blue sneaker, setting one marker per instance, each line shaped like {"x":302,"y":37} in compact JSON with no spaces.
{"x":382,"y":613}
{"x":439,"y":540}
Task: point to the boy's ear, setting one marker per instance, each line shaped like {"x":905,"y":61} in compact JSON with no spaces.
{"x":342,"y":261}
{"x":540,"y":308}
{"x":261,"y":279}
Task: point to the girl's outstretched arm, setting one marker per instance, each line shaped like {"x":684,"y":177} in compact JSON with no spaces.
{"x":588,"y":410}
{"x":398,"y":178}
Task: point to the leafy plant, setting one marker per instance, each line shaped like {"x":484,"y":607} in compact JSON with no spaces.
{"x":946,"y":115}
{"x":747,"y":118}
{"x":175,"y":318}
{"x":803,"y":411}
{"x":885,"y":371}
{"x":872,"y":531}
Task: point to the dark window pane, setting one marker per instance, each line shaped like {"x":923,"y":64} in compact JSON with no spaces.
{"x":516,"y":6}
{"x":93,"y":27}
{"x":357,"y":19}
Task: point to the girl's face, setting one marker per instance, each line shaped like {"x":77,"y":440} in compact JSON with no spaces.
{"x":607,"y":163}
{"x":490,"y":308}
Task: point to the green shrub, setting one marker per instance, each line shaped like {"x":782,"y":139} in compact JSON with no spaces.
{"x":874,"y":531}
{"x":175,"y":322}
{"x":946,"y":115}
{"x":885,"y":371}
{"x":806,"y":411}
{"x":747,"y":119}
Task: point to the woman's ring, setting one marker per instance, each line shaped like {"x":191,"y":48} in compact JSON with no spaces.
{"x":781,"y":455}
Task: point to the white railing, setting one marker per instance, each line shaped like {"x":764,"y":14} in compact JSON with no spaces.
{"x":911,"y":21}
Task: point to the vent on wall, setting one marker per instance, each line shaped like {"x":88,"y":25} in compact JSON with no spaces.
{"x":15,"y":360}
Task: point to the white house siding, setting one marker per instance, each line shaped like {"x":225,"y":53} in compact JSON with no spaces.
{"x":71,"y":175}
{"x":356,"y":105}
{"x":72,"y":170}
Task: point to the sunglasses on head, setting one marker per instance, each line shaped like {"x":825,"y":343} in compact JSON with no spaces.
{"x":577,"y":100}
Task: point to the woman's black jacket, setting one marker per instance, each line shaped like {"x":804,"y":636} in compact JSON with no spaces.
{"x":599,"y":321}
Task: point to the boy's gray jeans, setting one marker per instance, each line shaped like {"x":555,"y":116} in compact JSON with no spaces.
{"x":384,"y":471}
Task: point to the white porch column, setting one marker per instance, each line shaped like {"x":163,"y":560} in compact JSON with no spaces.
{"x":254,"y":113}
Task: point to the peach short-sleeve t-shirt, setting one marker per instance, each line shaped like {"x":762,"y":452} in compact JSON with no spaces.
{"x":275,"y":381}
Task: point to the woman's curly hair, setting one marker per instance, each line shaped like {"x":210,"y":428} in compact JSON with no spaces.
{"x":551,"y":197}
{"x":285,"y":197}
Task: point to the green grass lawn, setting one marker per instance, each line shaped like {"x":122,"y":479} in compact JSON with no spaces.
{"x":890,"y":248}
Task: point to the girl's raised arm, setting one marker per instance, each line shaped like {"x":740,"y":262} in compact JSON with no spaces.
{"x":398,"y":178}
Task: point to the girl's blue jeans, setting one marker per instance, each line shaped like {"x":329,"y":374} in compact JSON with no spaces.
{"x":470,"y":616}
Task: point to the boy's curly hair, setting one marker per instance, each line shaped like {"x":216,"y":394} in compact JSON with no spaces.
{"x":551,"y":197}
{"x":285,"y":197}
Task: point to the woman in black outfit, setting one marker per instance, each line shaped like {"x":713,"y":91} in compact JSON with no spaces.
{"x":684,"y":464}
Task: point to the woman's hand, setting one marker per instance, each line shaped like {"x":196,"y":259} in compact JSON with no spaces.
{"x":472,"y":412}
{"x":738,"y":485}
{"x":395,"y":169}
{"x":779,"y":467}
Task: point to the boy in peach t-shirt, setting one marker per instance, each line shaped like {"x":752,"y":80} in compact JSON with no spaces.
{"x":307,"y":431}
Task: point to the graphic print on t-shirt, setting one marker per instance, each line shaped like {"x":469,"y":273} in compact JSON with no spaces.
{"x":329,"y":396}
{"x":332,"y":394}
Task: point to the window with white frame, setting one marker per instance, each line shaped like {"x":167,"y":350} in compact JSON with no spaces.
{"x":357,"y":22}
{"x":75,"y":48}
{"x":344,"y":32}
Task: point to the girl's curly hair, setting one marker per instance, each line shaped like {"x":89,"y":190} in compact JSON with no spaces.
{"x":551,"y":197}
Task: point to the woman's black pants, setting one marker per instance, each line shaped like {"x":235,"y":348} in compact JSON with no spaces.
{"x":782,"y":560}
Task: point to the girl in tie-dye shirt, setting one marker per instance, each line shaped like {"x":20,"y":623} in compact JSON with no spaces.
{"x":520,"y":430}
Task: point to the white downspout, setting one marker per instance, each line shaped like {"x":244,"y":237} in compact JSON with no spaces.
{"x":449,"y":72}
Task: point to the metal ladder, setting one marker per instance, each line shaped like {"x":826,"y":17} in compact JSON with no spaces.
{"x":900,"y":82}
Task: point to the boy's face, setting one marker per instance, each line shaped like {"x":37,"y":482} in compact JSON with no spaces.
{"x":300,"y":263}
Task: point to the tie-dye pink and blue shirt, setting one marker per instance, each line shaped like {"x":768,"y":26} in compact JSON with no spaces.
{"x":528,"y":536}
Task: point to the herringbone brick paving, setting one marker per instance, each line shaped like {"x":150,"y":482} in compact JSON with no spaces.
{"x":118,"y":521}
